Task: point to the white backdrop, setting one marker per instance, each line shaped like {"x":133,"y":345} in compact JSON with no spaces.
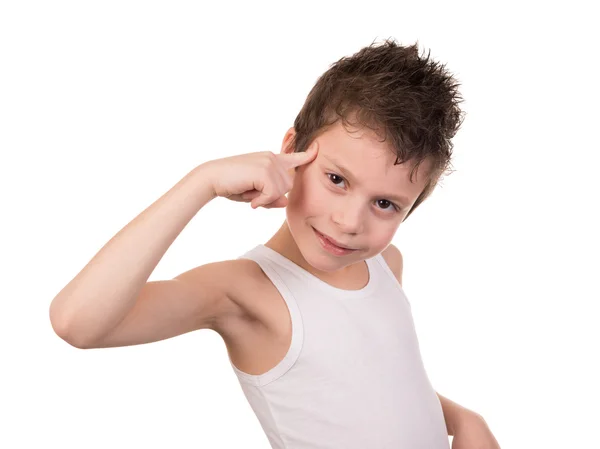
{"x":104,"y":106}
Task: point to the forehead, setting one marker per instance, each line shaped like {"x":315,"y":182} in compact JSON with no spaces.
{"x":369,"y":161}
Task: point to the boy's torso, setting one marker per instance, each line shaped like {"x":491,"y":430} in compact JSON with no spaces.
{"x":259,"y":338}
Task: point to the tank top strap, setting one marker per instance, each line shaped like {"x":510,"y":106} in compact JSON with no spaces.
{"x":276,"y":277}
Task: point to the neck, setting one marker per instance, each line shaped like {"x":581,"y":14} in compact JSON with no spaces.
{"x":284,"y":243}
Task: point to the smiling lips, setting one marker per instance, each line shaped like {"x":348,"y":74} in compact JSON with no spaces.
{"x":333,"y":241}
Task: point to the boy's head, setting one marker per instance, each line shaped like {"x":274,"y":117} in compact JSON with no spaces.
{"x":387,"y":115}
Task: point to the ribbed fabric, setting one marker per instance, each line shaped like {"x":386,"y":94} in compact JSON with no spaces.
{"x":353,"y":377}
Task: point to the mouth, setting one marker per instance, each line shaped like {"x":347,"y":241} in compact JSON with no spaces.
{"x":334,"y":242}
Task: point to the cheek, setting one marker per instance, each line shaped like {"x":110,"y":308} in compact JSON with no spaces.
{"x":384,"y":235}
{"x":317,"y":197}
{"x":308,"y":191}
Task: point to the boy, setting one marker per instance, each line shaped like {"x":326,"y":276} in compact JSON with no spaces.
{"x":315,"y":321}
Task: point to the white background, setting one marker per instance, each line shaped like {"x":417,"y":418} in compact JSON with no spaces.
{"x":104,"y":106}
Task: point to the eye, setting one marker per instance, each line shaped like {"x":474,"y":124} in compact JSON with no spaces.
{"x":333,"y":174}
{"x":379,"y":201}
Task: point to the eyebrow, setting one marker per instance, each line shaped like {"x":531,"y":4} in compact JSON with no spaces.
{"x":401,"y":199}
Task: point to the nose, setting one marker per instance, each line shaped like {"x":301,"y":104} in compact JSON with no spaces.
{"x":349,"y":219}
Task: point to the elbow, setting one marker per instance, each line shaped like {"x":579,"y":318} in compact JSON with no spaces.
{"x":65,"y":335}
{"x":61,"y":327}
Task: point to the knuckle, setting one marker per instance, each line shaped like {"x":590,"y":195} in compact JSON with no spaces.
{"x":269,"y":162}
{"x":271,"y":158}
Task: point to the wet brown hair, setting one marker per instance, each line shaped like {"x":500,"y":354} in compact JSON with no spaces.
{"x":390,"y":89}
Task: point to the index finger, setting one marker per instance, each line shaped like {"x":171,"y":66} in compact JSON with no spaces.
{"x":292,"y":160}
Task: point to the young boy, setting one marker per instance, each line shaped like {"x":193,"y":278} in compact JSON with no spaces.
{"x":315,"y":321}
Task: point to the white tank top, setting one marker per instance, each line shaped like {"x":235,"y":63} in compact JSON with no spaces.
{"x":353,"y":377}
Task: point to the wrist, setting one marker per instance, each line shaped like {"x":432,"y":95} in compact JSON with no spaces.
{"x":203,"y":176}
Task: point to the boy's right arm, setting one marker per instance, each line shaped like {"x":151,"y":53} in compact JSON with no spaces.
{"x":110,"y":303}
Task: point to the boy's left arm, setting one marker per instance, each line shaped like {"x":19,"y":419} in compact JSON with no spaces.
{"x":454,"y":413}
{"x":469,"y":429}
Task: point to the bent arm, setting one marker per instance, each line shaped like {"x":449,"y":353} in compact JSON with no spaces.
{"x":454,"y":414}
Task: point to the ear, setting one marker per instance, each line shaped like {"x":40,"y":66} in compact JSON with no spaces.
{"x":286,"y":145}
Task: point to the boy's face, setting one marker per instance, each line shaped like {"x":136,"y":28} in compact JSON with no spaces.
{"x":357,"y":209}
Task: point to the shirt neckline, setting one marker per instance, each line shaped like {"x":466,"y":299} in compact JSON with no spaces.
{"x":366,"y":290}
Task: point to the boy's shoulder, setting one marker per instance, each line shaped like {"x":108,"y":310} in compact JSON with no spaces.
{"x":393,"y":258}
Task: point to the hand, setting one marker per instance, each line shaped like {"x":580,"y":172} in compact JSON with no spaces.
{"x":473,"y":433}
{"x":262,"y":177}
